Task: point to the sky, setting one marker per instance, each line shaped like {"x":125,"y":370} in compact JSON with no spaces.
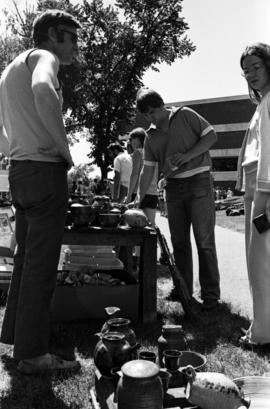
{"x":220,"y":29}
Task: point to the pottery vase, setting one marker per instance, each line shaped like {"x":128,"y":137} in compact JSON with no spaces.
{"x":113,"y":350}
{"x":140,"y":386}
{"x":172,"y":337}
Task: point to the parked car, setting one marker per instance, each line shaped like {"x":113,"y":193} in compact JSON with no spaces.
{"x":236,"y":209}
{"x":223,"y":204}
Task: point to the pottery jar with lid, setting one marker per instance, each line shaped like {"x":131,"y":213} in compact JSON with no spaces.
{"x":140,"y":386}
{"x":122,"y":325}
{"x":172,"y":337}
{"x":113,"y":350}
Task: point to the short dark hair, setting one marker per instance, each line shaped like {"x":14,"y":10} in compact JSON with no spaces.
{"x":115,"y":145}
{"x":51,"y":18}
{"x":148,"y":98}
{"x":138,"y":133}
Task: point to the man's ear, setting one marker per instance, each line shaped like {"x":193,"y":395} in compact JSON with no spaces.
{"x":52,"y":34}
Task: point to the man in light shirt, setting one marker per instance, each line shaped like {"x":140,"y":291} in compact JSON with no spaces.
{"x":31,"y":124}
{"x":122,"y":164}
{"x":179,"y":140}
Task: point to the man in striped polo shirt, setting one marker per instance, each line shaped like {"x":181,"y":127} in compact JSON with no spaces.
{"x":179,"y":140}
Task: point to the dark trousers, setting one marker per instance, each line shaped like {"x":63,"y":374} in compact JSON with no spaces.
{"x":190,"y":201}
{"x":40,"y":196}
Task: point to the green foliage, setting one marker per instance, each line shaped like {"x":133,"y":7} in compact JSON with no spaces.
{"x":117,"y":46}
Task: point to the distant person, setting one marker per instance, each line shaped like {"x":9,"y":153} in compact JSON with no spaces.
{"x":178,"y":141}
{"x":122,"y":165}
{"x":229,"y":193}
{"x":150,"y":200}
{"x":254,"y":180}
{"x":31,"y":118}
{"x":93,"y":185}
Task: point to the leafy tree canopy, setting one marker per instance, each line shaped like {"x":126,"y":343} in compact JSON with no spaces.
{"x":118,"y":44}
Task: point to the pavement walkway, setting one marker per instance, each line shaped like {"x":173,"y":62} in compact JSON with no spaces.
{"x":232,"y":265}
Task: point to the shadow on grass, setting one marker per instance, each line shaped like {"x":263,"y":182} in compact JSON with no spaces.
{"x":24,"y":392}
{"x":213,"y":328}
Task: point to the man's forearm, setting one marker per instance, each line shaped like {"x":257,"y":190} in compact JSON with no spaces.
{"x":4,"y":145}
{"x":203,"y":145}
{"x":48,"y":108}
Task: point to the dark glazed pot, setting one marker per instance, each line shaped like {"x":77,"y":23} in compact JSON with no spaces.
{"x":172,"y":337}
{"x":122,"y":325}
{"x":113,"y":350}
{"x":140,"y":386}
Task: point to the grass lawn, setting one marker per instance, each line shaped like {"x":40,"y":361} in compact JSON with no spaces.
{"x":215,"y":334}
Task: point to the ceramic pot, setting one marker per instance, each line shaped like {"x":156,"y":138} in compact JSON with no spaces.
{"x":212,"y":390}
{"x":172,"y":359}
{"x":140,"y":386}
{"x":165,"y":377}
{"x":113,"y":350}
{"x":122,"y":325}
{"x":172,"y":337}
{"x":148,"y":356}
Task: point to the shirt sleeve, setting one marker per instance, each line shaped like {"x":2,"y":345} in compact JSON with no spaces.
{"x":148,"y":156}
{"x":199,"y":124}
{"x":263,"y":173}
{"x":117,"y":164}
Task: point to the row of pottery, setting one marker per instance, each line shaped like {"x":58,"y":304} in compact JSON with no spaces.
{"x":140,"y":384}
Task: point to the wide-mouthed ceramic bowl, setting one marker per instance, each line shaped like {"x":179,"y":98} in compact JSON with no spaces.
{"x":82,"y":215}
{"x":109,"y":219}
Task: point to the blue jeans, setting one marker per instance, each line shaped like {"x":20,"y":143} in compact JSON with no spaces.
{"x":40,"y":196}
{"x":190,"y":201}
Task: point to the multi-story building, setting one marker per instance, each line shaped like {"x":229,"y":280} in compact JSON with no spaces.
{"x":230,"y":117}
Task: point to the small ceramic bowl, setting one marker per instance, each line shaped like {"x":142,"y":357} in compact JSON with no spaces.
{"x":109,"y":219}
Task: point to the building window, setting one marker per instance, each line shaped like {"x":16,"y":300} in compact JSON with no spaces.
{"x":224,"y":164}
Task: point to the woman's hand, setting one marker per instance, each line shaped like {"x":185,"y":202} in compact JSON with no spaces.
{"x":267,"y":209}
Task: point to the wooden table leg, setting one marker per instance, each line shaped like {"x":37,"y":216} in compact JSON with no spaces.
{"x":148,"y":279}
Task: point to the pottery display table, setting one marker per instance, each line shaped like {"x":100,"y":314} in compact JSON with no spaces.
{"x":105,"y":393}
{"x":126,"y":238}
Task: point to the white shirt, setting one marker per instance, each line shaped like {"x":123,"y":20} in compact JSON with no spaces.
{"x":123,"y":164}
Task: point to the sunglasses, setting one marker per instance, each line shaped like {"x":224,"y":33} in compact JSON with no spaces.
{"x":73,"y":36}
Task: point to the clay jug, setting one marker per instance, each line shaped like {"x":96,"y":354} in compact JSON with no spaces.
{"x":122,"y":325}
{"x":113,"y":350}
{"x":172,"y":337}
{"x":140,"y":386}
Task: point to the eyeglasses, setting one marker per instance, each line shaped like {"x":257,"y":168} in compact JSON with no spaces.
{"x":73,"y":36}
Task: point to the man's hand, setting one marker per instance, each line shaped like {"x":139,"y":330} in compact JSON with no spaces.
{"x":178,"y":159}
{"x":55,"y":151}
